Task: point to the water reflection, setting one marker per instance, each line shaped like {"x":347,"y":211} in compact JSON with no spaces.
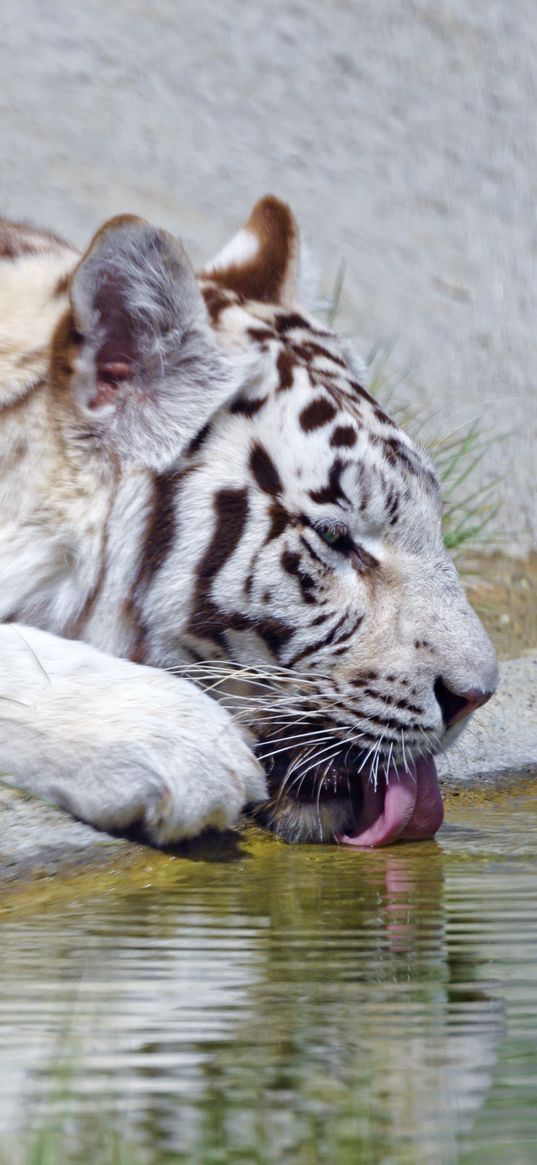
{"x":292,"y":1005}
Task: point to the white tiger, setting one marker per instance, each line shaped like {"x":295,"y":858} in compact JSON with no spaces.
{"x":194,"y":481}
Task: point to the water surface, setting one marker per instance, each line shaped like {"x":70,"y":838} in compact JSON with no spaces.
{"x":264,"y":1003}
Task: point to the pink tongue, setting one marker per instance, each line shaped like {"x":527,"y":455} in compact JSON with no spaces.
{"x":404,"y":806}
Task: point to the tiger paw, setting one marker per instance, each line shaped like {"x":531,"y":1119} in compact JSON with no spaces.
{"x":116,"y":744}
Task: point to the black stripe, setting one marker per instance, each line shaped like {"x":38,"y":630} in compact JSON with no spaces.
{"x":196,"y":443}
{"x":332,"y":491}
{"x":246,"y":406}
{"x":231,"y":514}
{"x":279,"y":521}
{"x":264,"y":470}
{"x":292,"y":564}
{"x":313,"y":553}
{"x":331,"y":637}
{"x":161,"y":524}
{"x":316,"y":414}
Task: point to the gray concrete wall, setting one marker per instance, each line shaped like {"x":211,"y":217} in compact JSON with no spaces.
{"x":401,"y":131}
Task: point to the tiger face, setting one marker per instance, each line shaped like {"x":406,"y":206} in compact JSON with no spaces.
{"x":216,"y":492}
{"x":310,"y":555}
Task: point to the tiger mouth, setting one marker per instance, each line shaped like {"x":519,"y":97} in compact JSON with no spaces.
{"x":351,"y":805}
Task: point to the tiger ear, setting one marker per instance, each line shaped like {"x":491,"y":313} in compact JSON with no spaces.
{"x":136,"y":351}
{"x":261,"y":261}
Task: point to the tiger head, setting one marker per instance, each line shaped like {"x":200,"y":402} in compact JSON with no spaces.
{"x":294,"y":562}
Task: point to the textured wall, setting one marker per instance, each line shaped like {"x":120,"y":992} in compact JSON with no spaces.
{"x":403,"y":133}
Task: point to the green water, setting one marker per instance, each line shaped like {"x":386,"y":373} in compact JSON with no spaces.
{"x":290,"y":1005}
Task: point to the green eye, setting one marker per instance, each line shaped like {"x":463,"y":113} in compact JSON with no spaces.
{"x":339,"y":538}
{"x":336,"y":536}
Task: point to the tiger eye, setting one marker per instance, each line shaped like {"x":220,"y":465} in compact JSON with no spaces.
{"x":332,"y":537}
{"x":337,"y":536}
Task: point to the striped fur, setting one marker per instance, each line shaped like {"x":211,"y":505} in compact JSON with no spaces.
{"x":194,"y":477}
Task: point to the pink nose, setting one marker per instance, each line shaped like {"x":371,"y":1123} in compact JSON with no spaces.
{"x":456,"y":706}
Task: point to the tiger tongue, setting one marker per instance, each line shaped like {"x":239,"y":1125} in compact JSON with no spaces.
{"x":404,"y":806}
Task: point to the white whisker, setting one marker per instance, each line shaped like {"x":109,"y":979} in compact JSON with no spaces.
{"x":403,"y":750}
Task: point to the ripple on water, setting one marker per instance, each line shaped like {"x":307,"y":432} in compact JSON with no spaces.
{"x":305,"y":1005}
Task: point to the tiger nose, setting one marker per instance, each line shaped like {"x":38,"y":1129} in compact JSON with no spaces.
{"x":455,"y":706}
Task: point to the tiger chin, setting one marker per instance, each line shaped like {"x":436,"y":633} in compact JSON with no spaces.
{"x":222,"y":575}
{"x":312,"y":815}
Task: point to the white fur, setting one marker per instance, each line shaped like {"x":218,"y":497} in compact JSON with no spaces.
{"x":178,"y":376}
{"x":29,"y":311}
{"x":242,"y":248}
{"x":118,"y":744}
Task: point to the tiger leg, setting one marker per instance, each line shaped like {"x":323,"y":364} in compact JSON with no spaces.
{"x":118,"y":744}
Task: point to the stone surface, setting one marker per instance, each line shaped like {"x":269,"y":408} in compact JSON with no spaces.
{"x":37,"y":840}
{"x":501,"y":740}
{"x":403,"y":134}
